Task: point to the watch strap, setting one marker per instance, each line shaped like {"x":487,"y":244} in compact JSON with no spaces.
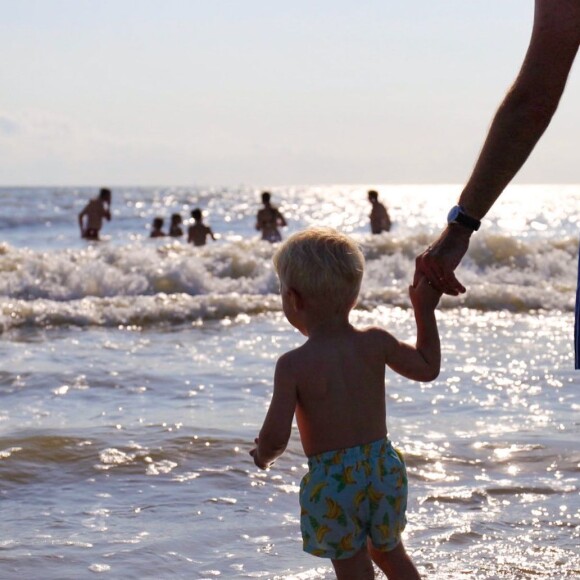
{"x":466,"y":220}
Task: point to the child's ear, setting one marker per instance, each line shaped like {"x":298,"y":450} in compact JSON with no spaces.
{"x":295,"y":299}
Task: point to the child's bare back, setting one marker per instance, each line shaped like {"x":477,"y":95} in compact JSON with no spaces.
{"x":340,"y":384}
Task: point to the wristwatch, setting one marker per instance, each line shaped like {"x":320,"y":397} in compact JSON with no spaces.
{"x":457,"y":215}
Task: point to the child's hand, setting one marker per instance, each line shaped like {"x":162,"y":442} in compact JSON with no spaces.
{"x":423,"y":295}
{"x":254,"y":454}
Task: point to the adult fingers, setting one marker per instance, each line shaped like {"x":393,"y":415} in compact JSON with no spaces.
{"x":450,"y":284}
{"x":442,"y":280}
{"x":431,"y":270}
{"x":440,"y":277}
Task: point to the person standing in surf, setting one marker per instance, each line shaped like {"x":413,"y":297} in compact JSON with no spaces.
{"x":379,"y":218}
{"x":92,"y":215}
{"x":198,"y":233}
{"x":269,"y":219}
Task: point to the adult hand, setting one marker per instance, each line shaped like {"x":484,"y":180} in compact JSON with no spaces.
{"x":438,"y":262}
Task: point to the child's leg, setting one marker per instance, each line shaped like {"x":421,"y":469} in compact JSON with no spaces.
{"x":358,"y":567}
{"x":396,"y":564}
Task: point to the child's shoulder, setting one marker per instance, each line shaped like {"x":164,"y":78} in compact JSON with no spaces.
{"x":294,"y":355}
{"x":377,"y":338}
{"x":287,"y":368}
{"x":293,"y":360}
{"x":373,"y":333}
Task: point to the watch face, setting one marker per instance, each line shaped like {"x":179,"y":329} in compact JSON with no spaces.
{"x":454,"y":212}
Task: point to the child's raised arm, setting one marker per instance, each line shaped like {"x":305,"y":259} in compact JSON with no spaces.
{"x":275,"y":431}
{"x":421,"y":362}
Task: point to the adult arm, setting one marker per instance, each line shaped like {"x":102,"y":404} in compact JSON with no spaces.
{"x":520,"y":121}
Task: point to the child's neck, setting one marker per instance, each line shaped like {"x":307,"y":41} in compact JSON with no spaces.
{"x":329,"y":324}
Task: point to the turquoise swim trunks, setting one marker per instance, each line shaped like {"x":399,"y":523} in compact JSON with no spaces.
{"x":351,"y":494}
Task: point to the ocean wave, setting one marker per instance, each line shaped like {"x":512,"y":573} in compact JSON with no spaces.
{"x":137,"y":312}
{"x":132,"y":311}
{"x":31,"y":457}
{"x":135,"y":270}
{"x":145,"y":284}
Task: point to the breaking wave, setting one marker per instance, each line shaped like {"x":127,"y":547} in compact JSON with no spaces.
{"x":148,"y":284}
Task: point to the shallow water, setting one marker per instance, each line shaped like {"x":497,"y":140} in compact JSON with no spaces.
{"x":134,"y":376}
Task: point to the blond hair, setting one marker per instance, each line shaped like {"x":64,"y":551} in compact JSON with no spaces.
{"x":321,"y":263}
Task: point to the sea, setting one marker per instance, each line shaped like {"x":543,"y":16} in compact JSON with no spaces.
{"x":136,"y":372}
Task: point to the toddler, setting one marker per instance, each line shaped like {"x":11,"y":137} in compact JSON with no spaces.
{"x":353,"y":498}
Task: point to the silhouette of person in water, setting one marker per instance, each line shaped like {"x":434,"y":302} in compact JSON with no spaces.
{"x":380,"y":219}
{"x":175,"y":229}
{"x":269,"y":219}
{"x":198,"y":233}
{"x":157,"y":228}
{"x":91,"y":217}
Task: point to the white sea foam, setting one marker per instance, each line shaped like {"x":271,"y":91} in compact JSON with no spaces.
{"x":524,"y":258}
{"x":142,"y":286}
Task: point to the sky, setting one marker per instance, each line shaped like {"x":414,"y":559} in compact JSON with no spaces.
{"x":264,"y":93}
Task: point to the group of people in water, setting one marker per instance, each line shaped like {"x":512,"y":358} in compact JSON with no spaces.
{"x":269,"y":220}
{"x":197,"y":233}
{"x":98,"y":209}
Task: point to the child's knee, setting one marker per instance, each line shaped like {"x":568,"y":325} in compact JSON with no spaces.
{"x":395,"y":561}
{"x":360,"y":566}
{"x":388,"y":558}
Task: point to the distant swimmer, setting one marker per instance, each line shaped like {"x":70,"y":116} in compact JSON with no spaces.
{"x":198,"y":233}
{"x":91,"y":217}
{"x":380,"y":219}
{"x":175,"y":229}
{"x":157,"y":228}
{"x":269,"y":219}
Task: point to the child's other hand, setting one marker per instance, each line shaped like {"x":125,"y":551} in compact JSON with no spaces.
{"x":423,"y":295}
{"x":256,"y":457}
